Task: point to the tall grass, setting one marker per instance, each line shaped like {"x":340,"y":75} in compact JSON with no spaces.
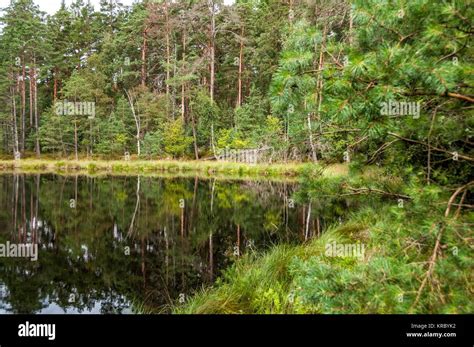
{"x":399,"y":242}
{"x":257,"y":284}
{"x":203,"y":168}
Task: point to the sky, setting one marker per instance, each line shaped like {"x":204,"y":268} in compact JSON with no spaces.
{"x":51,"y":6}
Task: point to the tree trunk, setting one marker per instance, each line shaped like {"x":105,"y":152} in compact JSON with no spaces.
{"x":307,"y":222}
{"x":196,"y":149}
{"x":241,"y":57}
{"x":212,"y":48}
{"x":213,"y":58}
{"x":75,"y":140}
{"x":311,"y":142}
{"x":136,"y":118}
{"x":183,"y":84}
{"x":144,"y":52}
{"x":31,"y":96}
{"x":23,"y":104}
{"x":14,"y":122}
{"x":35,"y":88}
{"x":168,"y":48}
{"x":320,"y":79}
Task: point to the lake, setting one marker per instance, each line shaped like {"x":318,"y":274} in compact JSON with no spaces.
{"x":133,"y":244}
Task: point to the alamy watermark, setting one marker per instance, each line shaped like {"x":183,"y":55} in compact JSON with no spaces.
{"x":345,"y":250}
{"x":28,"y":329}
{"x":19,"y":250}
{"x":400,"y":108}
{"x":67,"y":108}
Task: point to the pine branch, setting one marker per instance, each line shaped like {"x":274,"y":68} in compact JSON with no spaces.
{"x":462,"y":156}
{"x":357,"y":191}
{"x":447,"y":94}
{"x":434,"y":255}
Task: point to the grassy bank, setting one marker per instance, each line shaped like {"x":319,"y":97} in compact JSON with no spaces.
{"x":393,"y":275}
{"x":203,"y":168}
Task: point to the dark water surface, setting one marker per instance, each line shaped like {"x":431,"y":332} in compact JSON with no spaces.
{"x":137,"y":244}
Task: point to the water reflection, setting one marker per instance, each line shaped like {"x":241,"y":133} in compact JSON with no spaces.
{"x":127,"y":244}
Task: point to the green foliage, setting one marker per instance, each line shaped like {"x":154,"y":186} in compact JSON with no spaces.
{"x":56,"y":132}
{"x":175,"y":142}
{"x":231,"y":138}
{"x":398,"y":242}
{"x":112,"y":136}
{"x":311,"y":88}
{"x":172,"y":80}
{"x":152,"y":144}
{"x":250,"y":117}
{"x":206,"y":114}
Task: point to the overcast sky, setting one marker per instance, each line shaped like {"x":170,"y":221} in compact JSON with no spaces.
{"x":51,"y":6}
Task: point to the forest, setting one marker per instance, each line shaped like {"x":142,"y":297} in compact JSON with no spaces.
{"x":384,"y":88}
{"x":312,"y":80}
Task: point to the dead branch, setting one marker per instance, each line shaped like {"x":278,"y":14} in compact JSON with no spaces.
{"x":357,"y":191}
{"x":381,"y":149}
{"x":453,"y":197}
{"x":434,"y":255}
{"x":430,"y":267}
{"x":447,"y":94}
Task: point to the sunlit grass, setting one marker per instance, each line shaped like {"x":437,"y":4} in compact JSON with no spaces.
{"x":257,"y":284}
{"x":398,"y":243}
{"x":202,"y":168}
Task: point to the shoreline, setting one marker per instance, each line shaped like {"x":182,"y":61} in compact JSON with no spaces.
{"x":211,"y":169}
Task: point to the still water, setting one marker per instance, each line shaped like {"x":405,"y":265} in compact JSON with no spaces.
{"x":138,"y":244}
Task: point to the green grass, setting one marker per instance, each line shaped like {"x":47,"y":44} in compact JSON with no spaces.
{"x":257,"y":284}
{"x":399,"y":243}
{"x":202,"y":168}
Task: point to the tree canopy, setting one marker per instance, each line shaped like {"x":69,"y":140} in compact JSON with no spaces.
{"x":369,"y":82}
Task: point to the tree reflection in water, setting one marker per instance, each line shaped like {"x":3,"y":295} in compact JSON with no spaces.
{"x":127,"y":244}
